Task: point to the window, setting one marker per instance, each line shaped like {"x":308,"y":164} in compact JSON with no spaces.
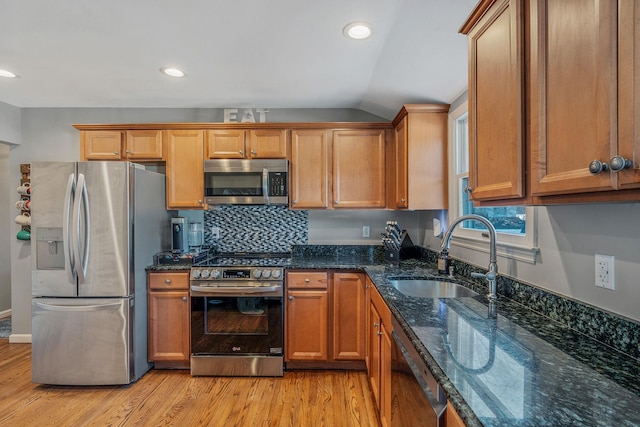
{"x":515,"y":225}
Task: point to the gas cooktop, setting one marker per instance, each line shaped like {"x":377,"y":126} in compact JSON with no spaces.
{"x":257,"y":259}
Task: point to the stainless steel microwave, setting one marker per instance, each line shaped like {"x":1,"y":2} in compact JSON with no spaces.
{"x":246,"y":182}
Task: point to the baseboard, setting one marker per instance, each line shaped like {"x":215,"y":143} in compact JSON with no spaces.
{"x":20,"y":338}
{"x":5,"y":313}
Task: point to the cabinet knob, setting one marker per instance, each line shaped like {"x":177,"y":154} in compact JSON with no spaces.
{"x":199,"y":201}
{"x":375,"y":325}
{"x":117,"y":153}
{"x":167,"y":281}
{"x":289,"y":297}
{"x":253,"y":152}
{"x":379,"y":333}
{"x":335,"y":202}
{"x":184,"y":298}
{"x":468,"y":189}
{"x":127,"y":151}
{"x":618,"y":163}
{"x":307,"y":280}
{"x":402,"y":200}
{"x":241,"y":152}
{"x":596,"y":167}
{"x":294,"y":202}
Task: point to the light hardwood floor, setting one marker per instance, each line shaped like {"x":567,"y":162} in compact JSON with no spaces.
{"x":175,"y":398}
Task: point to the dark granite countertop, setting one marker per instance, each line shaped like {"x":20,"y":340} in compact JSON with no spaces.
{"x":518,"y":369}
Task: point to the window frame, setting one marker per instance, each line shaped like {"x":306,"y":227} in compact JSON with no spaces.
{"x":518,"y":247}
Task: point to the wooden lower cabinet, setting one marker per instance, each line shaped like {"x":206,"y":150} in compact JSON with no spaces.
{"x":379,"y":354}
{"x":325,"y":317}
{"x":169,"y":321}
{"x":452,"y":418}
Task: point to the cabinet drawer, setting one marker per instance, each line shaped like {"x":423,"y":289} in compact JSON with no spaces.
{"x":160,"y":281}
{"x":307,"y":280}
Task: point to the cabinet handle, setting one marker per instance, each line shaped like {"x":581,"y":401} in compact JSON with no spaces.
{"x":167,"y":281}
{"x":596,"y":167}
{"x":618,"y":163}
{"x":184,"y":298}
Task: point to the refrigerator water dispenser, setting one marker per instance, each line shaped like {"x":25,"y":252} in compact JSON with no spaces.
{"x":49,"y":248}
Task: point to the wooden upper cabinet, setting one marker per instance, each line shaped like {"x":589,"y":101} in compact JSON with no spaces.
{"x":185,"y":169}
{"x":310,"y":169}
{"x":268,"y":144}
{"x":629,"y":91}
{"x":419,"y":157}
{"x":496,"y":103}
{"x":144,"y":145}
{"x":225,"y":144}
{"x":573,"y":78}
{"x":246,"y":144}
{"x":101,"y":145}
{"x":359,"y":168}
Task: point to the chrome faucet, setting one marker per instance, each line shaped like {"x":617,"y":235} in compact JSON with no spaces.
{"x":492,"y":273}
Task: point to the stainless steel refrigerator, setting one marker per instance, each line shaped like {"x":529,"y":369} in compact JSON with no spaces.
{"x":95,"y":226}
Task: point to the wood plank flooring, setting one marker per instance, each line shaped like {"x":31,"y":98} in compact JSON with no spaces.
{"x":175,"y":398}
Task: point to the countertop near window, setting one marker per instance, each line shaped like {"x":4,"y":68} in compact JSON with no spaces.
{"x":518,"y":369}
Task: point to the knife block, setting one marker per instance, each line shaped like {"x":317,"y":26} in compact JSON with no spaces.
{"x":407,"y":249}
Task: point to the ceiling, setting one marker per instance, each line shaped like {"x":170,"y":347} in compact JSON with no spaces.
{"x":242,"y":53}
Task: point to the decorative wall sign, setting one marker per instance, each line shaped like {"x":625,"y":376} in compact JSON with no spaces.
{"x":231,"y":115}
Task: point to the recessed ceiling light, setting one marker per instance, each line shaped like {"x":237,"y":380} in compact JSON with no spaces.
{"x":7,"y":74}
{"x":358,"y":30}
{"x":173,"y":72}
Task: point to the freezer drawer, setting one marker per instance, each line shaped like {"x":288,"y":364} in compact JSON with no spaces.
{"x":82,"y":341}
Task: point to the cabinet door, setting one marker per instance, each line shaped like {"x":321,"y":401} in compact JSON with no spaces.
{"x":310,"y":169}
{"x":348,"y":316}
{"x":629,"y":91}
{"x":359,"y":168}
{"x":306,"y":325}
{"x":185,"y":169}
{"x":385,"y":374}
{"x":373,"y":330}
{"x":101,"y":145}
{"x":268,"y":144}
{"x":496,"y":110}
{"x":144,"y":145}
{"x":573,"y":94}
{"x":169,"y":326}
{"x":401,"y":164}
{"x":225,"y":144}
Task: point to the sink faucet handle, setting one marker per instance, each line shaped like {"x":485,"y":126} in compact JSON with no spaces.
{"x":479,"y":275}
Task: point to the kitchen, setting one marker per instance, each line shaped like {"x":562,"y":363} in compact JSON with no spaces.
{"x":569,"y":235}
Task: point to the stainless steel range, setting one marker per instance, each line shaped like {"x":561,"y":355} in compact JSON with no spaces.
{"x":237,"y":326}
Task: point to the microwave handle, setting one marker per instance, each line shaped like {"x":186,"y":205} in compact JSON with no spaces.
{"x":265,"y":184}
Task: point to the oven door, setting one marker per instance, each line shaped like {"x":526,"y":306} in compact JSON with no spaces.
{"x":237,"y":323}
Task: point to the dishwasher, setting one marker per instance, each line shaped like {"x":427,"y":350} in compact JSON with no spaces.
{"x":416,"y":397}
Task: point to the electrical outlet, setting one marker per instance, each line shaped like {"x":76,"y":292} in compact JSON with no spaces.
{"x":215,"y":233}
{"x":366,"y":231}
{"x":605,"y":271}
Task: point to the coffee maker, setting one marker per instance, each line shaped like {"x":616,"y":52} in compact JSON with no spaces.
{"x":179,"y":235}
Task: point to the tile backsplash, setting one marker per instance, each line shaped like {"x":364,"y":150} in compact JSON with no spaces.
{"x":256,"y":228}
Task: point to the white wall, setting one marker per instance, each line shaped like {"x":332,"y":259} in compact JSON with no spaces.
{"x":7,"y":231}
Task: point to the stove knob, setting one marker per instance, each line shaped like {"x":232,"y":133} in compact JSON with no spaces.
{"x":215,"y":274}
{"x":196,"y":274}
{"x":205,"y":274}
{"x":257,"y":273}
{"x":266,"y":274}
{"x":275,"y":274}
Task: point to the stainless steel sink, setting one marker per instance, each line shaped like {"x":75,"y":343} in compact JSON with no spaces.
{"x":430,"y":288}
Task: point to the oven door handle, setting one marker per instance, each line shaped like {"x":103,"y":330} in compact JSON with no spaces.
{"x":236,"y":290}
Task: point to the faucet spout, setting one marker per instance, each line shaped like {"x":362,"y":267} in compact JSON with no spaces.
{"x":492,"y":272}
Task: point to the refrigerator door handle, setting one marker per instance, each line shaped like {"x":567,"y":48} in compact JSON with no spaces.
{"x":81,"y":196}
{"x":69,"y":265}
{"x":97,"y":307}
